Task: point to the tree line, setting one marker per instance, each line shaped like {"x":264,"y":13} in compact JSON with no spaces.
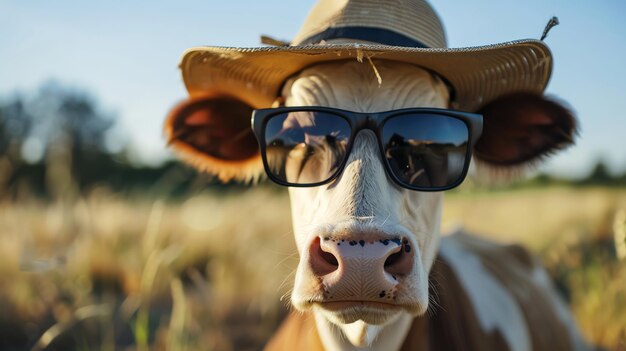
{"x":60,"y":141}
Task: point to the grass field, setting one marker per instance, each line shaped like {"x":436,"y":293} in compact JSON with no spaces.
{"x":106,"y":272}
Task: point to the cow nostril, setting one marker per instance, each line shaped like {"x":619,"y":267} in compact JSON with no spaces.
{"x":322,"y":262}
{"x":392,"y":259}
{"x":400,"y":263}
{"x":329,"y":258}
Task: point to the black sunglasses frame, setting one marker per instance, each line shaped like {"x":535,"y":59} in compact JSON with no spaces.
{"x":375,"y":122}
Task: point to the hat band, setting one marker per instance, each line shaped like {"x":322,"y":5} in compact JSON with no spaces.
{"x":378,"y":35}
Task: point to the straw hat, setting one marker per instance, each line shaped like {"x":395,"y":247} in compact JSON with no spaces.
{"x":400,"y":30}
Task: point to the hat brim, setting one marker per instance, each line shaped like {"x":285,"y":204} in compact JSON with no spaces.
{"x":477,"y":74}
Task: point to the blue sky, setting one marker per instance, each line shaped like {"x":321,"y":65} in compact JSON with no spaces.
{"x":126,"y":54}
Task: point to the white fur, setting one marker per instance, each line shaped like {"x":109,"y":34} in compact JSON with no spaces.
{"x":360,"y":336}
{"x":496,"y":310}
{"x":363,"y":198}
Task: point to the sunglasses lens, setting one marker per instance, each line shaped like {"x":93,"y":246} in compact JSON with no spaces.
{"x":426,"y":150}
{"x":305,"y":147}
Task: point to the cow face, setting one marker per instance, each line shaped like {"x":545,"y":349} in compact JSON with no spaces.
{"x":366,"y":245}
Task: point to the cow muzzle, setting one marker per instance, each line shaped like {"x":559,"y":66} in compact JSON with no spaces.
{"x":360,"y":278}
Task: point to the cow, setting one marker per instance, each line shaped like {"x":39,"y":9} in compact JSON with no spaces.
{"x":375,"y":271}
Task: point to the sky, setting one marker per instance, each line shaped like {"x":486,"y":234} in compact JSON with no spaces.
{"x":125,"y":53}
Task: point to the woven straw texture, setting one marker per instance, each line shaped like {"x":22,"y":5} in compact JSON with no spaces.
{"x":412,"y":18}
{"x":477,"y":75}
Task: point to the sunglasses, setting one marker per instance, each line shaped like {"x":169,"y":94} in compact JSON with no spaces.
{"x":424,"y":149}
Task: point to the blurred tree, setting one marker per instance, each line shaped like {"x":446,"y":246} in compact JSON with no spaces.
{"x":600,"y":174}
{"x":70,"y":117}
{"x":63,"y":127}
{"x":14,"y":126}
{"x":73,"y":129}
{"x":55,"y":143}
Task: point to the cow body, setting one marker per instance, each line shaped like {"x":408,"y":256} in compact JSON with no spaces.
{"x":484,"y":296}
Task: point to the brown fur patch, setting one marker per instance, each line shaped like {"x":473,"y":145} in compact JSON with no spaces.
{"x":213,"y":134}
{"x":453,"y":324}
{"x":297,"y":332}
{"x":514,"y":267}
{"x":523,"y":127}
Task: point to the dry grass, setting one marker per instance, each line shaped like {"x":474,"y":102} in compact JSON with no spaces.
{"x":576,"y":231}
{"x":536,"y":216}
{"x":108,"y":273}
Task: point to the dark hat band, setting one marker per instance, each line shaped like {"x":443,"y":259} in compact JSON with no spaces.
{"x":377,"y":35}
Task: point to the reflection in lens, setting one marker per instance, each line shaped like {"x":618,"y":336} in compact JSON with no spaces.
{"x":426,"y":150}
{"x":305,"y":147}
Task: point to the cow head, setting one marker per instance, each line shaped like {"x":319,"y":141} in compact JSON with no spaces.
{"x":366,"y":245}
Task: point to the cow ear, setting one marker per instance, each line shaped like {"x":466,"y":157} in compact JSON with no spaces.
{"x":214,"y":135}
{"x":519,"y":130}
